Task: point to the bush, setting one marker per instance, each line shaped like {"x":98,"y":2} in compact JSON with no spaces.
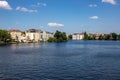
{"x":58,"y":37}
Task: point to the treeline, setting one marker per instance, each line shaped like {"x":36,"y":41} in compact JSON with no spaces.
{"x":4,"y":36}
{"x":111,"y":36}
{"x":58,"y":37}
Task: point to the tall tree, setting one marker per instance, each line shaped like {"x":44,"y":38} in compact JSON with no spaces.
{"x":107,"y":37}
{"x":4,"y":36}
{"x":58,"y":37}
{"x":114,"y":36}
{"x":86,"y":37}
{"x":70,"y":37}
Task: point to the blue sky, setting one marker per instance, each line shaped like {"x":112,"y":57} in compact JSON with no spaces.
{"x":93,"y":16}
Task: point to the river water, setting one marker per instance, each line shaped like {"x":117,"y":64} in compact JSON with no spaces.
{"x":72,"y":60}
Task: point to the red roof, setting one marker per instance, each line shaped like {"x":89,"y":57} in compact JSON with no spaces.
{"x":14,"y":30}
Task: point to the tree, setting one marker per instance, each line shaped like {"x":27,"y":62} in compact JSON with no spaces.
{"x":4,"y":36}
{"x":86,"y":37}
{"x":70,"y":37}
{"x":114,"y":36}
{"x":52,"y":39}
{"x":93,"y":37}
{"x":64,"y":36}
{"x":57,"y":34}
{"x":58,"y":37}
{"x":107,"y":37}
{"x":100,"y":37}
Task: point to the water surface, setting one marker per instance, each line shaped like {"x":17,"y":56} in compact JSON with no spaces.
{"x":73,"y":60}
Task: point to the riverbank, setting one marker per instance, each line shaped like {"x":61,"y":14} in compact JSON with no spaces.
{"x":3,"y":43}
{"x":6,"y":43}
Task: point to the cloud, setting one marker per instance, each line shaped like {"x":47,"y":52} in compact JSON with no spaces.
{"x":55,"y":24}
{"x":39,"y":4}
{"x":94,"y":17}
{"x":93,"y":5}
{"x":4,"y":5}
{"x":23,"y":9}
{"x":113,"y":2}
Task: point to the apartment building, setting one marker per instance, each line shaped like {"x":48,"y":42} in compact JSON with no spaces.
{"x":15,"y":34}
{"x":33,"y":35}
{"x":78,"y":36}
{"x":46,"y":35}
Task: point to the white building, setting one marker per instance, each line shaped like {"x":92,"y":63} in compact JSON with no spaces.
{"x":15,"y":34}
{"x":46,"y":35}
{"x":78,"y":36}
{"x":33,"y":35}
{"x":23,"y":38}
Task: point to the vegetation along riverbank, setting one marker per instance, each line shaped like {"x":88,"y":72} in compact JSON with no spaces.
{"x":33,"y":35}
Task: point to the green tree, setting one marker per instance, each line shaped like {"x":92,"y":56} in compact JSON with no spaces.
{"x":70,"y":37}
{"x":52,"y":39}
{"x":100,"y":37}
{"x":58,"y":37}
{"x":93,"y":37}
{"x":107,"y":37}
{"x":64,"y":36}
{"x":57,"y":34}
{"x":86,"y":37}
{"x":114,"y":36}
{"x":4,"y":36}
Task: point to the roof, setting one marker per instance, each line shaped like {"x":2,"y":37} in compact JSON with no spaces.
{"x":33,"y":30}
{"x":14,"y":30}
{"x":47,"y":32}
{"x":78,"y":34}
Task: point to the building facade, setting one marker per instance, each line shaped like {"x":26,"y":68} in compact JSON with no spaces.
{"x":33,"y":35}
{"x":78,"y":36}
{"x":46,"y":35}
{"x":15,"y":35}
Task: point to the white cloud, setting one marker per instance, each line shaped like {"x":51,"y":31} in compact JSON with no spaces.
{"x":55,"y":24}
{"x":4,"y":5}
{"x":113,"y":2}
{"x":93,"y":5}
{"x":39,"y":4}
{"x":23,"y":9}
{"x":94,"y":17}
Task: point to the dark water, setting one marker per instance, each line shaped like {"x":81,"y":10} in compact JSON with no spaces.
{"x":73,"y":60}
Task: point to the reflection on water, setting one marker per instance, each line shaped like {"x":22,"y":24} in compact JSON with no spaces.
{"x":25,"y":45}
{"x":73,"y":60}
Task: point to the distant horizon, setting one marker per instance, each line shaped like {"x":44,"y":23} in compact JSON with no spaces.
{"x":62,"y":31}
{"x":70,"y":16}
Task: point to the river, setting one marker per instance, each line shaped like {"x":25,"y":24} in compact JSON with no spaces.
{"x":72,"y":60}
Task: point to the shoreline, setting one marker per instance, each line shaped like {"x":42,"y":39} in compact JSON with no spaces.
{"x":3,"y":43}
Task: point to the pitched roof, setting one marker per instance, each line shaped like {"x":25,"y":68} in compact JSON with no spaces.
{"x":33,"y":30}
{"x":14,"y":30}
